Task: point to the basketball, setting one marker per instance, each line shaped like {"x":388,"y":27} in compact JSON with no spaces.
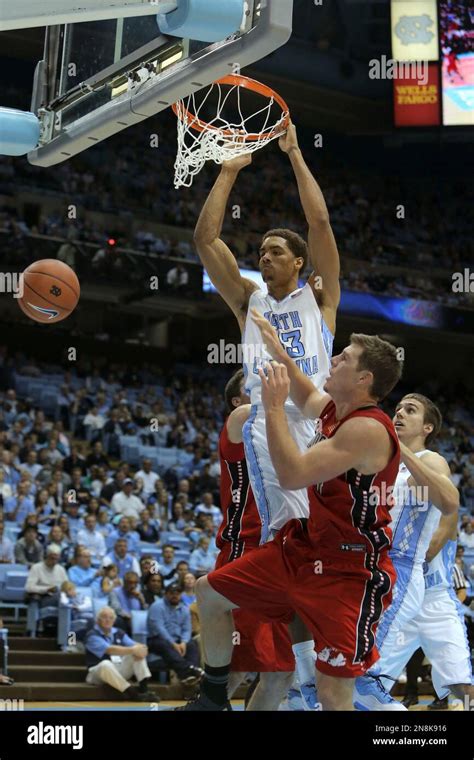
{"x":51,"y":291}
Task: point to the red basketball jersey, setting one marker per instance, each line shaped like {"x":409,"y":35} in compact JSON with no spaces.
{"x":351,"y":512}
{"x":241,"y":526}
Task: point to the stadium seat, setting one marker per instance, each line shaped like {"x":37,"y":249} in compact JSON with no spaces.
{"x":13,"y":588}
{"x":12,"y":591}
{"x":99,"y":602}
{"x":5,"y":568}
{"x":182,"y":555}
{"x":154,"y":551}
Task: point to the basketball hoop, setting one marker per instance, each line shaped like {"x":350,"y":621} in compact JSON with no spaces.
{"x":219,"y":138}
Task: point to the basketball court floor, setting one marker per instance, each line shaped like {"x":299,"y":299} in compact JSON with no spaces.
{"x":164,"y":706}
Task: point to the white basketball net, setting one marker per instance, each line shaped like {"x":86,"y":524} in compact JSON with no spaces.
{"x":213,"y":144}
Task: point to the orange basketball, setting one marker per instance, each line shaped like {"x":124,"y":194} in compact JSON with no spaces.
{"x":51,"y":291}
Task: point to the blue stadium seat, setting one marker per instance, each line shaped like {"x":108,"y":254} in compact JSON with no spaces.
{"x":182,"y":555}
{"x":99,"y":602}
{"x":4,"y":569}
{"x":179,"y":541}
{"x":13,"y":588}
{"x":154,"y":551}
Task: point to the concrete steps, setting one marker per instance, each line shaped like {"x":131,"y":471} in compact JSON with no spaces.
{"x":42,"y":673}
{"x":44,"y":657}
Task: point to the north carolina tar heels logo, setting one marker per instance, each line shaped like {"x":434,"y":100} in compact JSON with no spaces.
{"x":55,"y":291}
{"x":414,"y":29}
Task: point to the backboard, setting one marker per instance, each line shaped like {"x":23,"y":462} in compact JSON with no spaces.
{"x":100,"y":77}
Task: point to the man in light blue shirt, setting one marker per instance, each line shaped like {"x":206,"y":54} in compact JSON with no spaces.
{"x":21,"y":504}
{"x":170,"y":635}
{"x":82,"y":574}
{"x":91,"y":538}
{"x":114,"y":658}
{"x":123,"y":531}
{"x":122,"y":558}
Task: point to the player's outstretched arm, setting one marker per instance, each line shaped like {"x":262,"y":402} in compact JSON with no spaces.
{"x":361,"y":443}
{"x":216,"y":257}
{"x":431,"y":471}
{"x":322,"y":246}
{"x":446,"y":530}
{"x":307,"y":398}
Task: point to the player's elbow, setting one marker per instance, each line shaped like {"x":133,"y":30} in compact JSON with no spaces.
{"x":450,"y":504}
{"x":319,"y":221}
{"x":288,"y":481}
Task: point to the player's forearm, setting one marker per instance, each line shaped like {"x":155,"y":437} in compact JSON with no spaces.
{"x":441,"y":492}
{"x":447,"y":529}
{"x":311,"y":196}
{"x":211,"y":218}
{"x":283,"y":450}
{"x":302,"y":391}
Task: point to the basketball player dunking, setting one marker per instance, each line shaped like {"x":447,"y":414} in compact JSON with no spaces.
{"x":332,"y":570}
{"x":305,"y":319}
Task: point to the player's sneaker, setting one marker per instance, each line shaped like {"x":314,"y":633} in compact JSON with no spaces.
{"x":294,"y":700}
{"x":303,"y":699}
{"x":309,"y":696}
{"x":371,"y":694}
{"x":201,"y":703}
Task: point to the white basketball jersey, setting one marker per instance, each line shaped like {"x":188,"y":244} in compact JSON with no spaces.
{"x":439,"y":574}
{"x":413,"y":521}
{"x":302,"y":332}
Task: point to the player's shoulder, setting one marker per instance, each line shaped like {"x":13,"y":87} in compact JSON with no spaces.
{"x":435,"y":461}
{"x":239,"y":414}
{"x":370,"y":427}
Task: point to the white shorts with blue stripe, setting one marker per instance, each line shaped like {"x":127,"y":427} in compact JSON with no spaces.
{"x":407,"y":600}
{"x":275,"y":504}
{"x":440,"y":630}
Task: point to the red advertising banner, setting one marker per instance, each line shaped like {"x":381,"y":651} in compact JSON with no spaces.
{"x":417,"y":99}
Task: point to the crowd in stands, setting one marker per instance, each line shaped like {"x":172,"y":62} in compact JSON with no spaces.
{"x":95,"y":496}
{"x":135,"y":184}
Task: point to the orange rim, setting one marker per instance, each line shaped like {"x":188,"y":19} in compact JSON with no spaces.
{"x":250,"y":84}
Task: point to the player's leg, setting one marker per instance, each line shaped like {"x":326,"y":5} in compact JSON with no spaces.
{"x":270,"y":691}
{"x":235,"y":679}
{"x":305,"y":659}
{"x":335,"y":693}
{"x":372,"y":690}
{"x":217,"y":625}
{"x":255,"y":581}
{"x":276,"y":507}
{"x":444,"y":641}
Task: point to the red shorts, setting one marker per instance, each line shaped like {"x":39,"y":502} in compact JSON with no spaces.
{"x":339,"y":596}
{"x":259,"y":647}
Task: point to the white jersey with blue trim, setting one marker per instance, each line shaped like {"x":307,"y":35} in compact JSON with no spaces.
{"x":413,"y":521}
{"x":439,"y":573}
{"x":302,"y":332}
